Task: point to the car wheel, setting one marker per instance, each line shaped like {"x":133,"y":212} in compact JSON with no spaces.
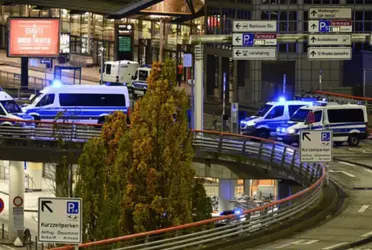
{"x":353,"y":140}
{"x":263,"y":134}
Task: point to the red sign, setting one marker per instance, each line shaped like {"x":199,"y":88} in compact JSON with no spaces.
{"x":33,"y":37}
{"x":264,"y":36}
{"x":17,"y":201}
{"x":311,"y":118}
{"x":341,"y":23}
{"x":1,"y":205}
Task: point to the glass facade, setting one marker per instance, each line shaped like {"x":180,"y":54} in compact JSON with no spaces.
{"x":259,"y":81}
{"x":90,"y":31}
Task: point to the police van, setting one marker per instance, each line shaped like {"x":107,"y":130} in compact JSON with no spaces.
{"x":264,"y":123}
{"x":348,"y":122}
{"x":9,"y":109}
{"x":119,"y":71}
{"x":139,"y":83}
{"x":78,"y":103}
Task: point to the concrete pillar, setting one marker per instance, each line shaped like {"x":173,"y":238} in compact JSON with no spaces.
{"x":226,"y":192}
{"x":35,"y":171}
{"x":284,"y":189}
{"x":247,"y":187}
{"x":161,"y":41}
{"x":16,"y":192}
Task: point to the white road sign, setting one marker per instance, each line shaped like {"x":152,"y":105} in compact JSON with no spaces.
{"x":254,"y":26}
{"x":243,"y":53}
{"x":60,"y":220}
{"x":316,"y":146}
{"x":331,"y":13}
{"x":329,"y":39}
{"x":329,"y":53}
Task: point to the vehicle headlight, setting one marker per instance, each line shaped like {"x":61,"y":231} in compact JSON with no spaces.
{"x":250,"y":123}
{"x":291,"y":131}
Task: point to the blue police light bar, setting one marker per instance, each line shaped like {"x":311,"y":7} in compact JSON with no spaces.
{"x":56,"y":83}
{"x":281,"y":99}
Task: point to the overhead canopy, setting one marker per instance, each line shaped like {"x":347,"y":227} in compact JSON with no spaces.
{"x":121,"y":8}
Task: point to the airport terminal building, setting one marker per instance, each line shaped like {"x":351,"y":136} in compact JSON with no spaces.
{"x":247,"y":82}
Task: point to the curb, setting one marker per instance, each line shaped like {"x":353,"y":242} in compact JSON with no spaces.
{"x":354,"y":163}
{"x":289,"y":227}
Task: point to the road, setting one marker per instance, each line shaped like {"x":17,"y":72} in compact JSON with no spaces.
{"x":354,"y":221}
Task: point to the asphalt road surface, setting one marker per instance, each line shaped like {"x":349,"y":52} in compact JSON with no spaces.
{"x":355,"y":220}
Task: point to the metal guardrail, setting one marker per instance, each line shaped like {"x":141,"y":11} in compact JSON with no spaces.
{"x":203,"y":232}
{"x":344,"y":99}
{"x":13,"y":80}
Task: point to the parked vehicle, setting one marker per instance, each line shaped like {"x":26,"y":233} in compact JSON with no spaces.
{"x":348,"y":122}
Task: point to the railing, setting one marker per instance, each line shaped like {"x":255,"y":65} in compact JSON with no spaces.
{"x":203,"y":232}
{"x":13,"y":80}
{"x":342,"y":98}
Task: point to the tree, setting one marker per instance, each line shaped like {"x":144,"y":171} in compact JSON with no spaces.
{"x":101,"y":182}
{"x":202,"y":204}
{"x":160,"y":178}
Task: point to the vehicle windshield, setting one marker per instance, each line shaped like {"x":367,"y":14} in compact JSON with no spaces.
{"x":11,"y":106}
{"x":33,"y":99}
{"x":300,"y":115}
{"x":263,"y":110}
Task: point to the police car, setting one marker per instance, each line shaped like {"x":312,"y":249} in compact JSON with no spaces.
{"x":264,"y":123}
{"x":11,"y":114}
{"x":348,"y":123}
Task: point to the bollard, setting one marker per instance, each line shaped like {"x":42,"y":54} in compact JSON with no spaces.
{"x":2,"y":231}
{"x":35,"y":242}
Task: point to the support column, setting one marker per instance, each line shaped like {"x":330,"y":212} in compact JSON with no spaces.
{"x":198,"y":88}
{"x":16,"y":189}
{"x":35,"y":171}
{"x":284,"y":189}
{"x":24,"y":72}
{"x":161,"y":41}
{"x":226,"y":192}
{"x":247,"y":187}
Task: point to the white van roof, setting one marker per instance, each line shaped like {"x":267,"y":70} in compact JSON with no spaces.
{"x":5,"y":96}
{"x":84,"y":89}
{"x":121,"y":62}
{"x":336,"y":106}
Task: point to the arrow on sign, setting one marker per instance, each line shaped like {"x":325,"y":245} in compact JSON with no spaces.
{"x":312,"y":53}
{"x":44,"y":204}
{"x":237,"y":25}
{"x":237,"y":39}
{"x":306,"y":135}
{"x":313,"y":39}
{"x":314,"y":26}
{"x":314,"y":13}
{"x":237,"y":53}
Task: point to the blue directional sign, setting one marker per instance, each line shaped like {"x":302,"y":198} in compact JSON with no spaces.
{"x":324,"y":26}
{"x":248,"y":39}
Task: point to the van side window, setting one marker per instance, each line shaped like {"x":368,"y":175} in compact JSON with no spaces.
{"x":275,"y":112}
{"x":318,"y":116}
{"x":95,"y":100}
{"x":293,"y":108}
{"x":2,"y":111}
{"x":108,"y":69}
{"x":46,"y":100}
{"x":345,"y":115}
{"x":143,"y":74}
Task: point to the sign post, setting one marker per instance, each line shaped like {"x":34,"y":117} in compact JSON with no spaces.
{"x":316,"y":147}
{"x":234,"y":117}
{"x":187,"y":64}
{"x":332,"y":32}
{"x":60,"y":220}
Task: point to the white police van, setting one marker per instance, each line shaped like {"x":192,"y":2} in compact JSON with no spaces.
{"x":348,"y":122}
{"x":78,"y":103}
{"x":9,"y":109}
{"x":264,"y":123}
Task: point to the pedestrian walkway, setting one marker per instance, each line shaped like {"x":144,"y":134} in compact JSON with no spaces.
{"x":30,"y":204}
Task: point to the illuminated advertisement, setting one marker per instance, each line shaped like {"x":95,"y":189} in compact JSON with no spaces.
{"x":64,"y":43}
{"x":33,"y":37}
{"x":124,"y":42}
